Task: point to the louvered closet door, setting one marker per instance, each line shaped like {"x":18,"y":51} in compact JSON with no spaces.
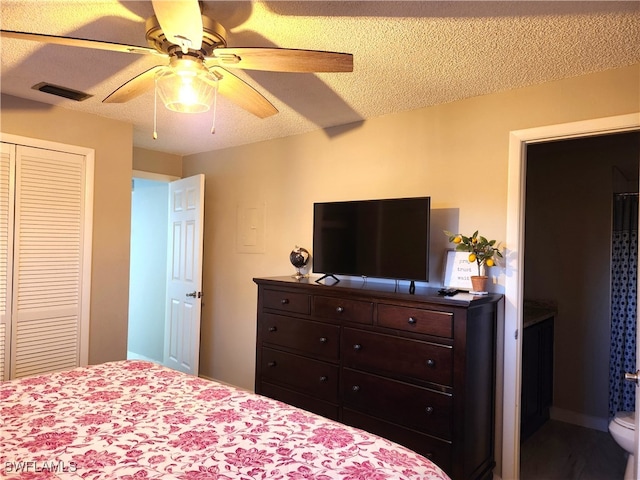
{"x":7,"y":175}
{"x":47,"y":280}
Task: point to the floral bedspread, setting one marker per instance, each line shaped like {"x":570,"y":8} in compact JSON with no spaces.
{"x":137,"y":420}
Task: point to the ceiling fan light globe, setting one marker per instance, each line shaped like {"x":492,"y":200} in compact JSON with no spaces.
{"x":186,"y":87}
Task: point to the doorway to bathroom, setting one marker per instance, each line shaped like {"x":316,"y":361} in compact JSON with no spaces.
{"x":567,"y":269}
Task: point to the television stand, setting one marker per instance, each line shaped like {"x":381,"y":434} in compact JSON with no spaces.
{"x":328,"y":275}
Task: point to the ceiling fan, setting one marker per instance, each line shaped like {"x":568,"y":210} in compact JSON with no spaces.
{"x":199,"y":59}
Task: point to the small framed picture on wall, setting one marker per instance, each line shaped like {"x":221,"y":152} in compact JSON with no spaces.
{"x":458,"y":270}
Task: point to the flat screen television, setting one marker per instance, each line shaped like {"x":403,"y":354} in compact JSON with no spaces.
{"x":387,"y":238}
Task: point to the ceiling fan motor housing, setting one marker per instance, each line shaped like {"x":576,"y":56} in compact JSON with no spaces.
{"x":214,"y":36}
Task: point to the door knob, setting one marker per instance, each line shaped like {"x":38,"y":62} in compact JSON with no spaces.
{"x":194,"y":294}
{"x":631,"y":377}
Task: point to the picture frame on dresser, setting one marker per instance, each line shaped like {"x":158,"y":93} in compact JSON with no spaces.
{"x":458,"y":270}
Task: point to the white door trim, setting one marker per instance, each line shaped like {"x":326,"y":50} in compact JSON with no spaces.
{"x":518,"y":141}
{"x":89,"y":154}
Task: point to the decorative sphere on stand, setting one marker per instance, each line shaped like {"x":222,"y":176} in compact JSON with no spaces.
{"x":299,"y":258}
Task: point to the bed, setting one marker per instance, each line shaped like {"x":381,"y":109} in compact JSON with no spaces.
{"x":138,"y":420}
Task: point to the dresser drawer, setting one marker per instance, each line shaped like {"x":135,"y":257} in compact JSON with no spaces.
{"x":397,"y":356}
{"x":436,"y":450}
{"x":312,"y":338}
{"x":402,"y":403}
{"x":287,"y":301}
{"x":343,"y":309}
{"x":311,"y":377}
{"x":430,"y":322}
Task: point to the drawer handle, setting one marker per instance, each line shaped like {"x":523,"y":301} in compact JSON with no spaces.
{"x":284,"y":301}
{"x":357,"y":347}
{"x":273,"y":329}
{"x":431,"y":363}
{"x":355,"y":388}
{"x":340,"y":309}
{"x":324,"y":378}
{"x":324,"y":339}
{"x":272,"y":363}
{"x":412,"y":321}
{"x":428,"y":410}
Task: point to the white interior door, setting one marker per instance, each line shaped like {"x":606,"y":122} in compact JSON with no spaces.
{"x":184,"y":274}
{"x":49,"y":245}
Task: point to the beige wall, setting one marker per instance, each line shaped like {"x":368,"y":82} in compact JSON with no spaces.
{"x":457,"y":153}
{"x":157,"y":162}
{"x":112,"y":142}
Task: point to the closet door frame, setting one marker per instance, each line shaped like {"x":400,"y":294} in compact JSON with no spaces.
{"x":89,"y":155}
{"x":6,"y":271}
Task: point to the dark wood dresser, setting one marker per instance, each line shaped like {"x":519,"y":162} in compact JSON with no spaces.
{"x":418,"y":369}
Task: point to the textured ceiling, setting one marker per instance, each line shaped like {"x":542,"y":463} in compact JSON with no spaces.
{"x":407,"y":55}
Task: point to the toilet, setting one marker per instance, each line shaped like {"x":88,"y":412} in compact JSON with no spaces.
{"x":622,"y":429}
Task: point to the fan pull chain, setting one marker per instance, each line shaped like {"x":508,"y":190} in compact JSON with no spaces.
{"x":155,"y":109}
{"x":215,"y":107}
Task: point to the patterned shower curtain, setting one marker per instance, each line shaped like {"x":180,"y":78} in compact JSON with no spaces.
{"x":624,"y":279}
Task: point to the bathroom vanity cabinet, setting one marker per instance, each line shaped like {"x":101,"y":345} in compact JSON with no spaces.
{"x":537,"y":369}
{"x":418,"y":368}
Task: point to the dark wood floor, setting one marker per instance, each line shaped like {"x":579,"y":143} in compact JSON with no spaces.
{"x":564,"y":451}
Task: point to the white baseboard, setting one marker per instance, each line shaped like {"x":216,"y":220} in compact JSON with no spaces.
{"x":580,"y":419}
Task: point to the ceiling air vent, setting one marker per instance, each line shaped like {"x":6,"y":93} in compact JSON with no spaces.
{"x":61,"y":91}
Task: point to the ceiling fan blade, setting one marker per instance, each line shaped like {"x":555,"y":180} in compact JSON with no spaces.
{"x":181,"y":22}
{"x":79,"y":42}
{"x":134,"y":87}
{"x":243,"y":94}
{"x":284,"y":60}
